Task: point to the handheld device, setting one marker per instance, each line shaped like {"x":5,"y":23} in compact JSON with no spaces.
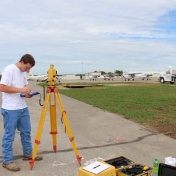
{"x":31,"y":94}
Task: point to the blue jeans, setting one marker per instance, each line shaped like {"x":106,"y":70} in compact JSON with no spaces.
{"x":13,"y":119}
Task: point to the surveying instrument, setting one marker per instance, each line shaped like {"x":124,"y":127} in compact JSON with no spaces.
{"x":51,"y":88}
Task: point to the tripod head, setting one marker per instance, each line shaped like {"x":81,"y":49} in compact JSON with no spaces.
{"x":52,"y":72}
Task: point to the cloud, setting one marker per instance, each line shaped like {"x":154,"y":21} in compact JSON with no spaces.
{"x":123,"y":34}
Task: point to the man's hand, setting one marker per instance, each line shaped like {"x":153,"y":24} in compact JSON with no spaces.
{"x":26,"y":90}
{"x":28,"y":95}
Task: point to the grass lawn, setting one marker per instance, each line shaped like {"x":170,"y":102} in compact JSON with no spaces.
{"x":146,"y":104}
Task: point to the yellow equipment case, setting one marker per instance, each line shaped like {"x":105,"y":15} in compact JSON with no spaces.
{"x":120,"y":166}
{"x":108,"y":172}
{"x":120,"y":162}
{"x":135,"y":170}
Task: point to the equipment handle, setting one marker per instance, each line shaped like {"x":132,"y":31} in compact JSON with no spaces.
{"x":22,"y":95}
{"x":34,"y":93}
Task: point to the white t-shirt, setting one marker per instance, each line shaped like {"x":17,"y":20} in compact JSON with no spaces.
{"x":14,"y":77}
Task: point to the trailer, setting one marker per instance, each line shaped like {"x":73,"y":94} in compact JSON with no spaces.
{"x":169,"y":76}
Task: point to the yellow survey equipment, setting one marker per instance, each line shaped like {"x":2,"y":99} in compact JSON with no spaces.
{"x":135,"y":169}
{"x":53,"y":120}
{"x":119,"y":162}
{"x":127,"y":167}
{"x":52,"y":72}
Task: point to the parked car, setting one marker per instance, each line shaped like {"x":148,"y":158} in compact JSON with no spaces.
{"x":108,"y":77}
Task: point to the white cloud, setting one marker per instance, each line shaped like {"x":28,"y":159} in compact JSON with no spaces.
{"x":104,"y":35}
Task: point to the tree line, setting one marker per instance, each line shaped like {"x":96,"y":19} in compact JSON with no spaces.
{"x":116,"y":73}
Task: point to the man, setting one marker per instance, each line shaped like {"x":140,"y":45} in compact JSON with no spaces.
{"x":14,"y":110}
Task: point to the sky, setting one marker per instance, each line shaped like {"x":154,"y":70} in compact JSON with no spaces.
{"x":81,"y":36}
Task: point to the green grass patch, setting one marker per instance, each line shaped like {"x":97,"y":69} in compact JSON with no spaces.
{"x":143,"y":103}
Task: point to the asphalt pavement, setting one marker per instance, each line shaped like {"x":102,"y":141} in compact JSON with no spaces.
{"x":99,"y":135}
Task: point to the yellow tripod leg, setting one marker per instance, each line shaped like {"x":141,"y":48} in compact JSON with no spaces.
{"x":53,"y":124}
{"x":68,"y":129}
{"x":39,"y":131}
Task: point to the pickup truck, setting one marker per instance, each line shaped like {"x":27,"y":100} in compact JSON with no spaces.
{"x":169,"y":76}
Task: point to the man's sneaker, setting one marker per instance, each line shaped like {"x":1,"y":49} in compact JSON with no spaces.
{"x":11,"y":166}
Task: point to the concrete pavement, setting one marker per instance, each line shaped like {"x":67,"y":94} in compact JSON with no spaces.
{"x":90,"y":127}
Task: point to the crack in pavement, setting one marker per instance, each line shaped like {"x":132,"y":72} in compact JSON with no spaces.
{"x":90,"y":147}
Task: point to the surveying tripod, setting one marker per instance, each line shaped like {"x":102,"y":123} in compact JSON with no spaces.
{"x":53,"y":121}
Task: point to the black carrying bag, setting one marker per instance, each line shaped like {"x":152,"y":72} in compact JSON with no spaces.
{"x":166,"y":170}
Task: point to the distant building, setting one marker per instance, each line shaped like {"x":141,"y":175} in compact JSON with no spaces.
{"x":69,"y":76}
{"x":88,"y":75}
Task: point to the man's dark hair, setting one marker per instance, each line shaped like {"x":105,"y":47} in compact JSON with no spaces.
{"x":27,"y":58}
